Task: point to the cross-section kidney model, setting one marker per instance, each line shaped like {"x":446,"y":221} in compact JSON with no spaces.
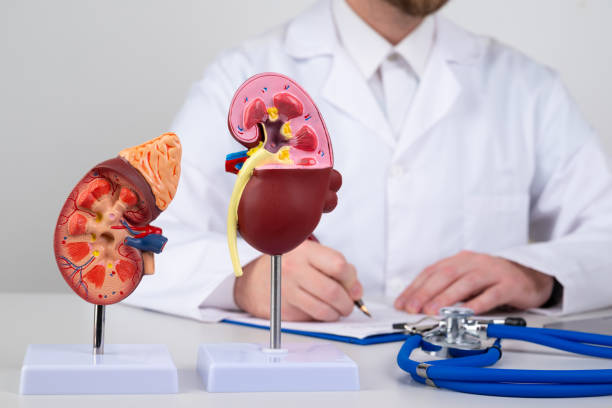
{"x":103,"y":240}
{"x":286,"y":178}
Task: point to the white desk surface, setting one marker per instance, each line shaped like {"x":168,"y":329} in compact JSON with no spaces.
{"x":65,"y":318}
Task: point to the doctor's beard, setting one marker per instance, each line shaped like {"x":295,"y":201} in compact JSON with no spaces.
{"x":418,"y":8}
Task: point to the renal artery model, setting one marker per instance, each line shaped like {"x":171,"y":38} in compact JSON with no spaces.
{"x":103,"y":241}
{"x":285,"y":178}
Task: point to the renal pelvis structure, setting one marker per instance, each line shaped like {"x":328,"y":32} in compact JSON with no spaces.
{"x":103,"y":241}
{"x":285,"y":178}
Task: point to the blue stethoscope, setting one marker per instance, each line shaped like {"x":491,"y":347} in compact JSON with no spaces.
{"x":475,"y":344}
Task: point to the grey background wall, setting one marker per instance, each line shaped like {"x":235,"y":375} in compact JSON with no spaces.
{"x":82,"y":79}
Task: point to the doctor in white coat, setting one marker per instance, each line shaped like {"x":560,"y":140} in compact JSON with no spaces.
{"x":469,"y":175}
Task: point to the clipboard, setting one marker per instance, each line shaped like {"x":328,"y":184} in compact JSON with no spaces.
{"x":354,"y":329}
{"x":366,"y":341}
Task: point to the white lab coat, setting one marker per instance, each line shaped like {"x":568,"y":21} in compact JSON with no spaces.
{"x":494,"y":157}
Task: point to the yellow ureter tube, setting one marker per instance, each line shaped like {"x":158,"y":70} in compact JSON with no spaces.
{"x":260,"y":157}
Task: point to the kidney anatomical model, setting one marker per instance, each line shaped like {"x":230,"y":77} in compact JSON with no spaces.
{"x":285,"y":180}
{"x":103,"y":241}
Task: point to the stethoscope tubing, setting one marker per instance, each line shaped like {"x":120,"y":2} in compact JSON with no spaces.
{"x":560,"y":339}
{"x":466,"y":374}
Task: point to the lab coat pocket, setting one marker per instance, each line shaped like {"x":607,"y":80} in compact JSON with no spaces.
{"x":495,"y":222}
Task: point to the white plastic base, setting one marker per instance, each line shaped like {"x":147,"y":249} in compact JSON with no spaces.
{"x":247,"y":367}
{"x":122,"y":369}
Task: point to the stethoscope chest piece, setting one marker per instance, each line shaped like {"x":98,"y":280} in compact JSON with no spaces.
{"x":455,"y":331}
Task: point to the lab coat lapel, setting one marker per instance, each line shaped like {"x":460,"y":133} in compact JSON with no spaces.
{"x":439,"y":86}
{"x":435,"y":95}
{"x":346,"y":89}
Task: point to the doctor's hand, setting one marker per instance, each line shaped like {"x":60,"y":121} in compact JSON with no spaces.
{"x":317,"y":284}
{"x":482,"y":281}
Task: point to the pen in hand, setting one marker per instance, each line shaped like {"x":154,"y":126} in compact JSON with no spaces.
{"x":358,"y":303}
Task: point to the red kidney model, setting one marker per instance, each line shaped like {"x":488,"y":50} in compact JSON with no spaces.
{"x":103,"y":241}
{"x":285,"y":180}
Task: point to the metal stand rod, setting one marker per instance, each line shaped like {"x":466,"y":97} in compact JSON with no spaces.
{"x":275,"y":302}
{"x":98,"y":334}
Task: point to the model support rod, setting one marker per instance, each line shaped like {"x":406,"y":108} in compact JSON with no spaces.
{"x":98,"y":334}
{"x":275,"y":302}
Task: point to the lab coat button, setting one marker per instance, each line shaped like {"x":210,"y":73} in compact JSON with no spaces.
{"x":397,"y":171}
